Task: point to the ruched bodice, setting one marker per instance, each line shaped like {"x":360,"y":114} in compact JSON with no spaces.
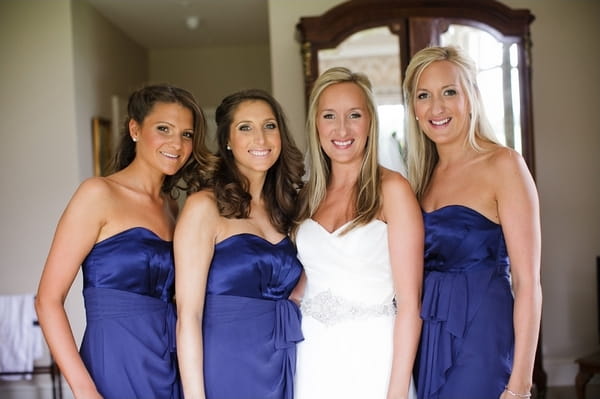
{"x":467,"y":340}
{"x":135,"y":260}
{"x":250,"y":328}
{"x":129,"y":341}
{"x":250,"y":266}
{"x":451,"y":246}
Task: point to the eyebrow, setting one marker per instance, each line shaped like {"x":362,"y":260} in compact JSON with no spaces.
{"x":452,"y":85}
{"x":173,"y":125}
{"x":351,"y":109}
{"x":272,"y":119}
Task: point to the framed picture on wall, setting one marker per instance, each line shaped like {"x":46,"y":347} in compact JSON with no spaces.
{"x":102,"y":145}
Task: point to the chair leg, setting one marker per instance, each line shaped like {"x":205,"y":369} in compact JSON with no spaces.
{"x":583,"y":377}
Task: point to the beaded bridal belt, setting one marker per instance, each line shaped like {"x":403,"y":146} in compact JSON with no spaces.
{"x":330,"y":309}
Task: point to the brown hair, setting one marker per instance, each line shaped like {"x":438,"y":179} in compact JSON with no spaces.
{"x":194,"y":172}
{"x":283,"y":179}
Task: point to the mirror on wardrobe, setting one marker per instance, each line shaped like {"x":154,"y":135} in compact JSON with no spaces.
{"x":378,"y":37}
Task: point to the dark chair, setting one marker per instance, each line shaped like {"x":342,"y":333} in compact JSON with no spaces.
{"x":588,"y":366}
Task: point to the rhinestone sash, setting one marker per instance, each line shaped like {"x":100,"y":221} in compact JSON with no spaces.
{"x":330,"y":309}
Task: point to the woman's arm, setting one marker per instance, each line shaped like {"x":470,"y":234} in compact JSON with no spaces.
{"x":298,"y":292}
{"x":194,"y":243}
{"x":75,"y":235}
{"x":402,"y":213}
{"x":518,"y":210}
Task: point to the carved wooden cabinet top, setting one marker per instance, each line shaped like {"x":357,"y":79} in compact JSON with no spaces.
{"x":330,"y":28}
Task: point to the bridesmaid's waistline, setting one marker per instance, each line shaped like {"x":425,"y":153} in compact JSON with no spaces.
{"x":101,"y":303}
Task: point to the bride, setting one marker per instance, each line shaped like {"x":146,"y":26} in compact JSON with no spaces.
{"x":360,"y":239}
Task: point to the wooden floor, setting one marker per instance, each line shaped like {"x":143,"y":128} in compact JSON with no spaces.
{"x":592,"y":392}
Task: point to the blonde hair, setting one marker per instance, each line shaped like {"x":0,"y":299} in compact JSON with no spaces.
{"x":422,"y":153}
{"x":368,"y":187}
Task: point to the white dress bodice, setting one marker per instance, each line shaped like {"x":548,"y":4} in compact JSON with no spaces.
{"x":354,"y":266}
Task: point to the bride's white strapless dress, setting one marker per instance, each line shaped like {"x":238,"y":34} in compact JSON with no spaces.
{"x":347,"y":313}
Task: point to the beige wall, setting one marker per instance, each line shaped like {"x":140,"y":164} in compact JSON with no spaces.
{"x":38,"y":156}
{"x":566,"y":97}
{"x":61,"y":62}
{"x":214,"y":72}
{"x":107,"y":63}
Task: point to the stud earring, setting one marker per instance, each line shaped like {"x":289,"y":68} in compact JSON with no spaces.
{"x":134,"y":139}
{"x":228,"y":147}
{"x":416,"y":117}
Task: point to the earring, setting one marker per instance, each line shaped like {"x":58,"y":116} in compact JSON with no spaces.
{"x":134,"y":139}
{"x":228,"y":147}
{"x":416,"y":117}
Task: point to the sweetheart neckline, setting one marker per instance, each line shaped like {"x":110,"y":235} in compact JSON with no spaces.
{"x":460,"y":207}
{"x":122,"y":232}
{"x":342,"y":226}
{"x":254,"y":235}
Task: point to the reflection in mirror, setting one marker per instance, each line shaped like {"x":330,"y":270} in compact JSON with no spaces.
{"x":375,"y":52}
{"x":498,"y":78}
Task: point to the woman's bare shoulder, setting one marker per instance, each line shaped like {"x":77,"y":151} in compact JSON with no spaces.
{"x":505,"y":162}
{"x":205,"y":196}
{"x":392,"y":180}
{"x":203,"y":201}
{"x":95,"y":190}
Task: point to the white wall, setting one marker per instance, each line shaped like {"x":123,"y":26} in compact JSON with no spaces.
{"x":566,"y":98}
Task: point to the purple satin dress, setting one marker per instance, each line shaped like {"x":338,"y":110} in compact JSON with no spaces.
{"x":467,"y":341}
{"x":129,"y":341}
{"x":250,"y":328}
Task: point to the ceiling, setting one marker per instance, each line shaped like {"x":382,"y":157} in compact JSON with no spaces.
{"x":160,"y":24}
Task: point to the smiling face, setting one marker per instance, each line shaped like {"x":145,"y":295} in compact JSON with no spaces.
{"x":254,"y":137}
{"x":343,"y":121}
{"x":164,"y":137}
{"x":441,"y":104}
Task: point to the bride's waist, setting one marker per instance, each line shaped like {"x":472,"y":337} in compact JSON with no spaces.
{"x":329,"y":308}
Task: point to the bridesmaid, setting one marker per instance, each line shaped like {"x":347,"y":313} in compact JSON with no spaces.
{"x":119,"y":229}
{"x":482,"y":233}
{"x":237,"y":330}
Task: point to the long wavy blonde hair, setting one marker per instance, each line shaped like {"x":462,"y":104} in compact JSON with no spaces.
{"x":422,"y":153}
{"x":368,"y":187}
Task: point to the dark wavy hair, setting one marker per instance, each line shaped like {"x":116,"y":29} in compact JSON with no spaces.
{"x":196,"y":170}
{"x":283,"y":179}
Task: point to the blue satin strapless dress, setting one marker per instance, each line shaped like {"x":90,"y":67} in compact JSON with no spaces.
{"x":128,"y":346}
{"x":467,"y":341}
{"x":250,"y":328}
